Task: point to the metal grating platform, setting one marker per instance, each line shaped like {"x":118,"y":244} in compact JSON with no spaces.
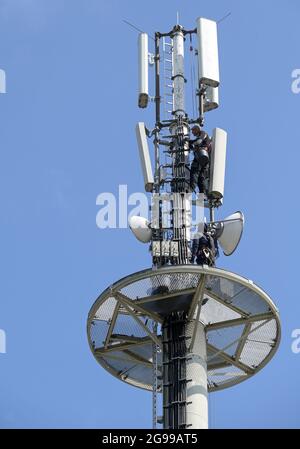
{"x":241,"y":322}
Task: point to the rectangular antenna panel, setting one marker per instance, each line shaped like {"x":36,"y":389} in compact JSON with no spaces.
{"x":174,"y":249}
{"x":143,"y":70}
{"x":144,"y":156}
{"x":165,"y":248}
{"x":211,"y":99}
{"x":218,"y":164}
{"x":156,"y":249}
{"x":208,"y":60}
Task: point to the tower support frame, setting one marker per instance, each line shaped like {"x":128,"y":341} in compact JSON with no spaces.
{"x":186,"y":359}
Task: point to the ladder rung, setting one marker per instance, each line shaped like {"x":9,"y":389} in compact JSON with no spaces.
{"x":168,"y":60}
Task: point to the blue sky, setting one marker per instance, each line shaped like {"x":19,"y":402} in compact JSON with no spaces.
{"x":71,"y":78}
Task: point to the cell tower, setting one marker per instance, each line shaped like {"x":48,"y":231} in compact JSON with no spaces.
{"x":183,"y":328}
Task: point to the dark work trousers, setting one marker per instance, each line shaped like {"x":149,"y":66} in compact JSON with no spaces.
{"x":206,"y":241}
{"x":198,"y":176}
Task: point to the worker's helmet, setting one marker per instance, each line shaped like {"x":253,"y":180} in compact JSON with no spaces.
{"x":196,"y":129}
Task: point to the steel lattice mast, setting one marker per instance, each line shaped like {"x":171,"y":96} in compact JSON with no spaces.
{"x":180,"y":409}
{"x":178,"y":328}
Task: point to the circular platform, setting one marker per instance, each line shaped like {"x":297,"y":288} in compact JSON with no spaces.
{"x":241,"y":323}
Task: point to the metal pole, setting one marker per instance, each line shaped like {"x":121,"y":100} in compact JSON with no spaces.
{"x":184,"y":370}
{"x":157,"y":110}
{"x":201,"y":95}
{"x":179,"y":130}
{"x":196,"y":374}
{"x":178,"y":71}
{"x":157,"y":79}
{"x":154,"y":392}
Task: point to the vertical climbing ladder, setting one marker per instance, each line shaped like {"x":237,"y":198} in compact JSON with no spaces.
{"x":168,"y":87}
{"x":155,"y":379}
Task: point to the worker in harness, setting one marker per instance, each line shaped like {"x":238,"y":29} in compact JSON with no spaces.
{"x":201,"y":146}
{"x":204,"y":248}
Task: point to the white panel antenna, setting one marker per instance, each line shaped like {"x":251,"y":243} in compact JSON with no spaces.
{"x":208,"y":60}
{"x":144,"y":156}
{"x":143,"y":70}
{"x":218,"y":164}
{"x":211,"y":98}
